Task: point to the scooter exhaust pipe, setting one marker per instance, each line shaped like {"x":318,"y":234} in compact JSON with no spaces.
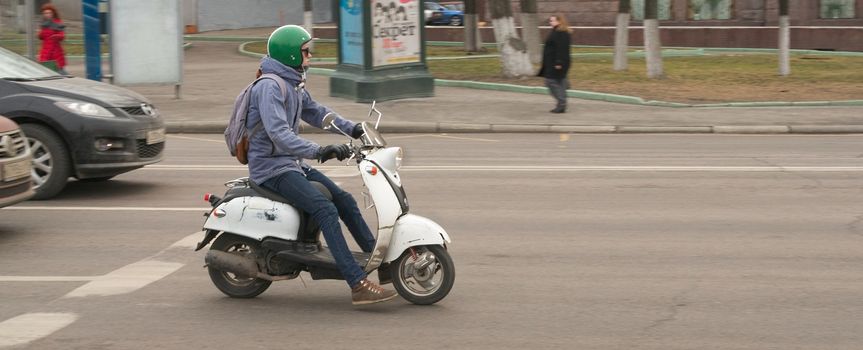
{"x":242,"y":266}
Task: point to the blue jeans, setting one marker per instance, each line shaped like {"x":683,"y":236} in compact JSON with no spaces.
{"x":296,"y":187}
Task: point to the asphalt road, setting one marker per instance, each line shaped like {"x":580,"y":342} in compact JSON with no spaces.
{"x":560,"y":241}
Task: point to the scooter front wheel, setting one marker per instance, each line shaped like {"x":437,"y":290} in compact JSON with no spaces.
{"x":232,"y":285}
{"x":423,"y":275}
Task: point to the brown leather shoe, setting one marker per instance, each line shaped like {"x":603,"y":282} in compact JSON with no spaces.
{"x":367,"y":292}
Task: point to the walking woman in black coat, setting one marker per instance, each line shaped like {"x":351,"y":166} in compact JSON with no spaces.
{"x":556,"y":60}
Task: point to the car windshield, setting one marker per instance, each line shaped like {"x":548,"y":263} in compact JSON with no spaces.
{"x":16,"y":67}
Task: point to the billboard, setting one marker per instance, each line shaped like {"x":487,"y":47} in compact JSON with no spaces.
{"x":396,"y":32}
{"x":146,"y":42}
{"x":351,"y":31}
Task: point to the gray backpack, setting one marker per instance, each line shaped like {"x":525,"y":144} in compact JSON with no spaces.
{"x":237,"y":136}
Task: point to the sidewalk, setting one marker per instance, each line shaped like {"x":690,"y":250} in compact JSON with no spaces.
{"x":214,"y":73}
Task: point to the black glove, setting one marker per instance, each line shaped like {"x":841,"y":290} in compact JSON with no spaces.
{"x":338,"y":151}
{"x":358,"y":131}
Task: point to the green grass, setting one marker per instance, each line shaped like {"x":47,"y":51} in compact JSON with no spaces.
{"x":71,"y":48}
{"x":697,"y":79}
{"x":329,"y":50}
{"x":711,"y":78}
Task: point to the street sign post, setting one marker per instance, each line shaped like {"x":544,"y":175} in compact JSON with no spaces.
{"x":92,"y":39}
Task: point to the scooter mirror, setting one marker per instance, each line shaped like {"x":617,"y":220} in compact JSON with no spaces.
{"x":329,"y":121}
{"x":374,"y":110}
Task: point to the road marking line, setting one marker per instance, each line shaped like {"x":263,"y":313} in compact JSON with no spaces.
{"x":223,"y":167}
{"x":24,"y":207}
{"x":26,"y":328}
{"x":195,"y":138}
{"x":445,"y":136}
{"x":126,"y":279}
{"x":197,"y":167}
{"x":137,"y":275}
{"x":47,"y":278}
{"x":529,"y":168}
{"x":189,"y":242}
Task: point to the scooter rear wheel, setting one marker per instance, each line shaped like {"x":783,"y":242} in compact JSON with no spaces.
{"x":232,"y":285}
{"x":424,"y":275}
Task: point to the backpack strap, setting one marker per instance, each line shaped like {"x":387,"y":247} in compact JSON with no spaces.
{"x":282,"y":87}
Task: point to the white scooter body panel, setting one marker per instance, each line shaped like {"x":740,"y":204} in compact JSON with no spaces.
{"x":256,"y":217}
{"x":386,"y":203}
{"x":414,"y":230}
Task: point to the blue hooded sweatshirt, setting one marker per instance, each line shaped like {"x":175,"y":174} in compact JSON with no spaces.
{"x":280,"y":148}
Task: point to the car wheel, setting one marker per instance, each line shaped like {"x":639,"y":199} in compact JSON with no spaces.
{"x":455,"y":21}
{"x":51,"y":164}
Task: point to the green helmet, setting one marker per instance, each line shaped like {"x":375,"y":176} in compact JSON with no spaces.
{"x":285,"y":45}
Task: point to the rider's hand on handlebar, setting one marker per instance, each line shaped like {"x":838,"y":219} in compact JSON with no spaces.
{"x":338,"y":151}
{"x":358,"y":131}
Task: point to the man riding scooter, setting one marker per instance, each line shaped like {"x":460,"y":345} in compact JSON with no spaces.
{"x":276,"y":156}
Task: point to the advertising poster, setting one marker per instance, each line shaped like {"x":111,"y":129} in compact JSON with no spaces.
{"x":351,"y":31}
{"x":395,"y":32}
{"x":146,"y":42}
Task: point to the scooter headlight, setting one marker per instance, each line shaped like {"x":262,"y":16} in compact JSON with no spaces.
{"x":389,"y":159}
{"x":400,"y":155}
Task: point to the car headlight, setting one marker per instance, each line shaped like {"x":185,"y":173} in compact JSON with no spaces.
{"x":85,"y":109}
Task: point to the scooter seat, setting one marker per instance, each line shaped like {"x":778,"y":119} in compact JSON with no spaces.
{"x":278,"y":198}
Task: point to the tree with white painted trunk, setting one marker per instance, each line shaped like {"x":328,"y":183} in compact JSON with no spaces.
{"x":652,"y":44}
{"x":472,"y":37}
{"x":784,"y":39}
{"x":621,"y":35}
{"x":309,"y":20}
{"x":530,"y":30}
{"x":513,"y":51}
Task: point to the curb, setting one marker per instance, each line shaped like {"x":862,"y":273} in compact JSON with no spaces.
{"x":197,"y":127}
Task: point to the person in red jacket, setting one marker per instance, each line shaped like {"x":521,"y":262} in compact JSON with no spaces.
{"x":52,"y":33}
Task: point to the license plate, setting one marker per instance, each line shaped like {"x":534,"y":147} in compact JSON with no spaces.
{"x":16,"y":170}
{"x":155,"y":136}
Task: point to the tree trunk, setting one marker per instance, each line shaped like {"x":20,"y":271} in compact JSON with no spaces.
{"x":784,"y":39}
{"x":530,"y":30}
{"x":472,"y":37}
{"x":621,"y":36}
{"x":309,"y":20}
{"x":651,"y":40}
{"x":513,"y":51}
{"x":481,"y":7}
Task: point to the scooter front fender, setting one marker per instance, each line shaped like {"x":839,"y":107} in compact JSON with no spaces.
{"x":413,"y":230}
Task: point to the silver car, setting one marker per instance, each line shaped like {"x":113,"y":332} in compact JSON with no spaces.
{"x":15,"y":164}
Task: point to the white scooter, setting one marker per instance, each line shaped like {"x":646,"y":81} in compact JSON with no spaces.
{"x":262,"y":238}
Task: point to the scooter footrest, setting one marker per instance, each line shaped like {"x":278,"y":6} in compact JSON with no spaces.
{"x":280,"y":245}
{"x":322,"y":258}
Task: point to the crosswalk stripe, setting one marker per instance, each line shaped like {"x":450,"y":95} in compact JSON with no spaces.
{"x":137,"y":275}
{"x":26,"y":328}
